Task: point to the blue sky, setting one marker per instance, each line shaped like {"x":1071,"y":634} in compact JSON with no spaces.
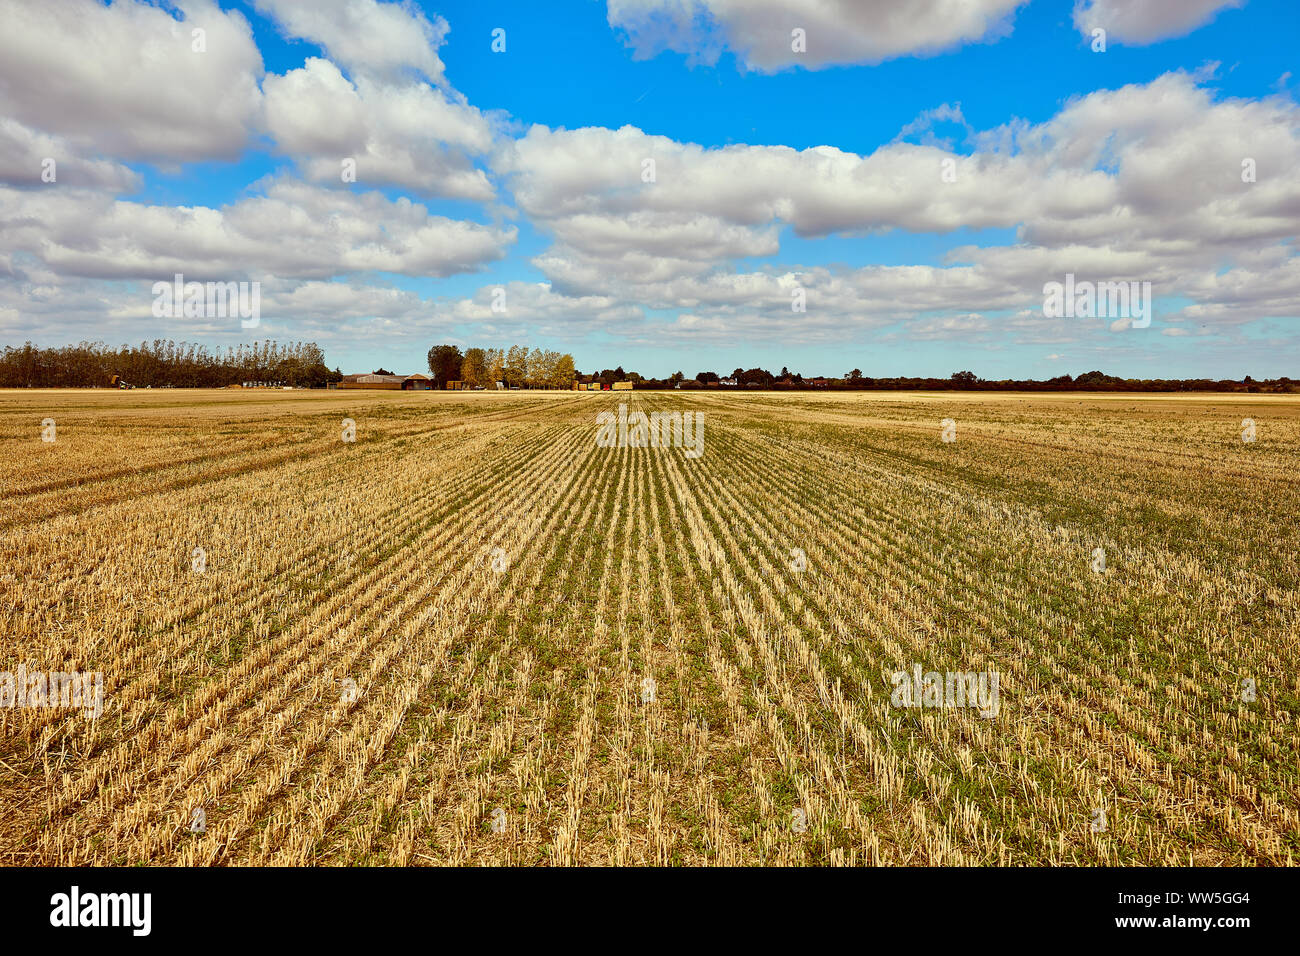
{"x":777,"y":169}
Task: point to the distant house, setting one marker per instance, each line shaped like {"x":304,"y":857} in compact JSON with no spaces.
{"x":729,"y":381}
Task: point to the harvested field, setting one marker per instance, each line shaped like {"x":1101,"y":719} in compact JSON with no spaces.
{"x":473,"y":636}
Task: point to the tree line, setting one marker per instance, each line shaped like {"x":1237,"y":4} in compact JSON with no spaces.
{"x":854,"y":380}
{"x":516,"y":367}
{"x":163,"y":364}
{"x":1094,"y":381}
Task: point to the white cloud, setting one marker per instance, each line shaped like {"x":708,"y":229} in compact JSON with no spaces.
{"x":125,"y":81}
{"x":837,"y":31}
{"x":1141,"y":183}
{"x":386,"y":40}
{"x":1236,"y":296}
{"x":709,"y":204}
{"x":26,"y":155}
{"x":924,"y":125}
{"x":129,"y":82}
{"x":535,"y":307}
{"x":330,"y":303}
{"x":294,"y":230}
{"x":1146,"y":21}
{"x":37,"y":302}
{"x":948,"y":326}
{"x":1154,"y":162}
{"x":413,"y":136}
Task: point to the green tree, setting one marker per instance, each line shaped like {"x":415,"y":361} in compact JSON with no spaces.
{"x":444,"y":364}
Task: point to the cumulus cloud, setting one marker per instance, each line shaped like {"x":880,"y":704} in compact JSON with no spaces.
{"x":759,"y":32}
{"x":126,"y":80}
{"x":1142,"y":183}
{"x":391,"y":127}
{"x":413,"y":135}
{"x":1143,"y":162}
{"x":535,"y":307}
{"x":385,"y":40}
{"x":36,"y":301}
{"x":703,"y":205}
{"x":1244,"y":294}
{"x":134,"y":81}
{"x":294,"y":230}
{"x":329,"y":303}
{"x":38,"y":160}
{"x":1146,"y":21}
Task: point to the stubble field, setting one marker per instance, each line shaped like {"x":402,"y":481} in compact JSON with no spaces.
{"x":473,"y":636}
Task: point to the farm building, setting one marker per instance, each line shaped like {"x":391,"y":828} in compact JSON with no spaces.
{"x":382,"y":380}
{"x":372,"y":380}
